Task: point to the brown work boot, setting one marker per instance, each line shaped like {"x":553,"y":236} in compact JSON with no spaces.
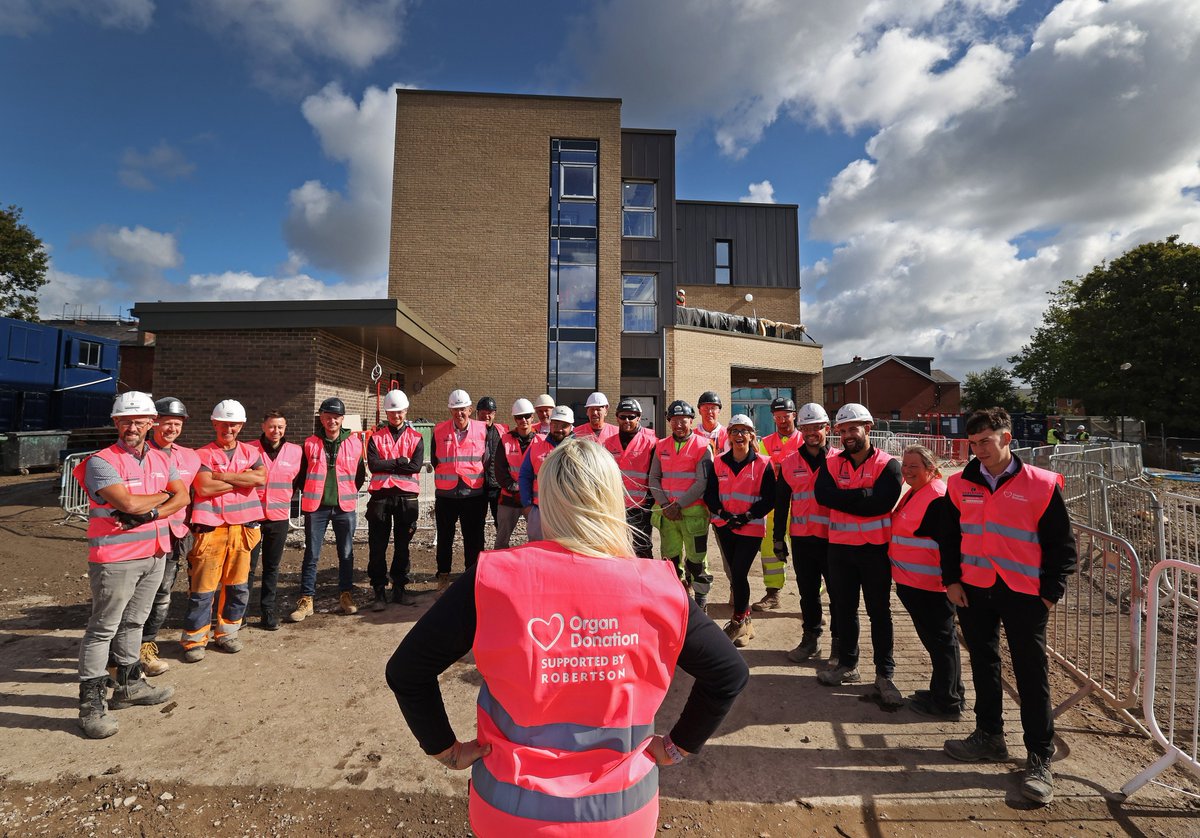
{"x":740,"y":633}
{"x":769,"y":602}
{"x":443,"y":582}
{"x":346,"y":603}
{"x":152,"y":664}
{"x":304,"y":608}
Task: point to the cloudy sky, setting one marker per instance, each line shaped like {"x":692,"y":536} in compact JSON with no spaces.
{"x":952,"y":160}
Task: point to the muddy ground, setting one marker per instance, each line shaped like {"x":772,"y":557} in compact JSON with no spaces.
{"x":298,"y":735}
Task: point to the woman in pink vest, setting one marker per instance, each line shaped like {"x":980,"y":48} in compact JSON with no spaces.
{"x":917,"y":572}
{"x":576,"y":642}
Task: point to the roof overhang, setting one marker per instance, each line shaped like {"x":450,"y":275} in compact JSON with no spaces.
{"x":386,"y":326}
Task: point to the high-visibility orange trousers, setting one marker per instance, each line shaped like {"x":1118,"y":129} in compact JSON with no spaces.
{"x":218,"y":567}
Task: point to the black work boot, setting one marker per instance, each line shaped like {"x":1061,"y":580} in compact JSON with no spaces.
{"x":132,"y":688}
{"x":380,"y":601}
{"x":93,"y":709}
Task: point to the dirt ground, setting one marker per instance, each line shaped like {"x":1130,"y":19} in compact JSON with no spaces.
{"x":298,"y":735}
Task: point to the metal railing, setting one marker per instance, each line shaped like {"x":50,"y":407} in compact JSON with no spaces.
{"x":1181,"y":538}
{"x":1171,"y":692}
{"x":72,"y":497}
{"x":1095,"y":630}
{"x":944,"y":448}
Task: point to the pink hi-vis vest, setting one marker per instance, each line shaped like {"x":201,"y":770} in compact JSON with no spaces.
{"x":240,"y":506}
{"x":576,"y":655}
{"x":187,"y":463}
{"x":808,"y":518}
{"x":1000,"y":529}
{"x":514,"y":454}
{"x":459,"y":459}
{"x":276,"y":495}
{"x":634,"y":463}
{"x":585,"y":431}
{"x":389,"y":448}
{"x":345,"y":469}
{"x":107,"y":542}
{"x":738,"y":492}
{"x":845,"y":528}
{"x":679,"y":467}
{"x":916,"y":561}
{"x":776,"y":448}
{"x":537,"y":453}
{"x":718,"y":440}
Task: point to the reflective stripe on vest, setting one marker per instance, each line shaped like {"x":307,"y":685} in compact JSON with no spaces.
{"x":107,"y":541}
{"x":240,"y":506}
{"x":552,"y":626}
{"x":738,"y":492}
{"x":999,"y":529}
{"x":345,"y":468}
{"x":187,"y":463}
{"x":634,"y":463}
{"x":916,"y":562}
{"x":459,"y":460}
{"x":389,"y":448}
{"x":679,"y":467}
{"x":514,"y":454}
{"x":807,"y":517}
{"x":845,"y":528}
{"x":276,"y":495}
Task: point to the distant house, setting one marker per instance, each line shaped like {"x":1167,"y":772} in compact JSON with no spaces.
{"x":898,"y":387}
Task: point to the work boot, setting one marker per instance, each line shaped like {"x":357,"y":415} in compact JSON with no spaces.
{"x":270,"y":620}
{"x":1038,"y":783}
{"x":232,"y":644}
{"x":702,"y":601}
{"x":194,"y":654}
{"x":346,"y":603}
{"x":132,"y":688}
{"x":924,"y":705}
{"x":304,"y":608}
{"x":380,"y":601}
{"x":443,"y":582}
{"x":889,"y":696}
{"x":839,"y":675}
{"x":769,"y":602}
{"x":152,"y":664}
{"x":741,"y":633}
{"x":810,"y":647}
{"x":93,"y":709}
{"x":978,"y":747}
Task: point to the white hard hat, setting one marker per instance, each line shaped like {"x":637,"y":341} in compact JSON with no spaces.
{"x":458,"y":398}
{"x":853,"y":412}
{"x":395,"y":400}
{"x":544,"y":400}
{"x":811,"y":414}
{"x":133,"y":403}
{"x":522,"y":407}
{"x":563,"y":414}
{"x":597,"y":400}
{"x":1080,"y":428}
{"x":229,"y":410}
{"x":741,"y":420}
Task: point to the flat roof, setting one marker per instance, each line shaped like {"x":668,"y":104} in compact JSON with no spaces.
{"x":386,"y":324}
{"x":409,"y":91}
{"x":694,"y":202}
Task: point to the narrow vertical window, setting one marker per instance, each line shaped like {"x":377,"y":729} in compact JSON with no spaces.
{"x":723,"y":260}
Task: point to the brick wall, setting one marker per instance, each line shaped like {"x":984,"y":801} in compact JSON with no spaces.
{"x":470,"y":235}
{"x":893,"y":386}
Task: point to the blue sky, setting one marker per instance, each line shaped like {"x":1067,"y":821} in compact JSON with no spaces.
{"x":953,"y":160}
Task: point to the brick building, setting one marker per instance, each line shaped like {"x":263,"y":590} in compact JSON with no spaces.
{"x":894,"y":387}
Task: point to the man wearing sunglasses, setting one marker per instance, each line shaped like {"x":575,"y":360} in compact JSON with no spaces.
{"x":633,"y":447}
{"x":506,"y":468}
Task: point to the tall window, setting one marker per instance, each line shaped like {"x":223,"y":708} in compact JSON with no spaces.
{"x":639,"y":301}
{"x":571,"y":356}
{"x":639,"y":209}
{"x":723,"y":259}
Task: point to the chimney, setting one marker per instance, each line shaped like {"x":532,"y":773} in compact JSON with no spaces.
{"x":857,"y":359}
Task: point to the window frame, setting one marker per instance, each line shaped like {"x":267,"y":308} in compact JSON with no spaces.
{"x":652,"y":304}
{"x":726,"y":266}
{"x":651,"y":210}
{"x":562,"y":181}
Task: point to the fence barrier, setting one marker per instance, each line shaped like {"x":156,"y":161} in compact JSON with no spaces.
{"x":72,"y":497}
{"x":1095,"y":629}
{"x":1171,"y":691}
{"x":1181,"y":538}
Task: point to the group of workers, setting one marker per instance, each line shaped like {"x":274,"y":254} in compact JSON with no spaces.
{"x":955,"y":548}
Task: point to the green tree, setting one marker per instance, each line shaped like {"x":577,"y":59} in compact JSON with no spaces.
{"x":1140,"y":310}
{"x":990,"y":388}
{"x":23,"y":263}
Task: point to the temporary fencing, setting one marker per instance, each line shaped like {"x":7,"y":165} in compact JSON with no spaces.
{"x":72,"y":497}
{"x":1171,"y":691}
{"x":944,"y":448}
{"x":1181,"y":539}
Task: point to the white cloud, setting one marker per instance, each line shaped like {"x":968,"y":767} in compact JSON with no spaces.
{"x":70,"y":295}
{"x":348,"y":231}
{"x":24,"y":17}
{"x":138,"y":247}
{"x":759,"y":193}
{"x":281,"y":35}
{"x":139,"y":170}
{"x":241,"y":285}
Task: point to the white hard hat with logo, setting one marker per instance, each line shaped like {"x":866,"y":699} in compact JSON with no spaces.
{"x":395,"y":400}
{"x":522,"y":407}
{"x":597,"y":400}
{"x":741,"y":420}
{"x":562,"y":413}
{"x":851,"y":413}
{"x":458,"y":398}
{"x":812,"y":414}
{"x":229,"y":410}
{"x":133,"y":403}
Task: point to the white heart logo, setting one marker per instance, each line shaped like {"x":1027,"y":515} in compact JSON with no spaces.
{"x":545,"y":633}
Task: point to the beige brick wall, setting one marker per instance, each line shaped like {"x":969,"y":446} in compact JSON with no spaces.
{"x":773,"y":303}
{"x":702,"y":359}
{"x":470,"y":235}
{"x":289,"y":370}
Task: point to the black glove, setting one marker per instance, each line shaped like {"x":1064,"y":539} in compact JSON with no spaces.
{"x":725,"y":516}
{"x":739,"y":521}
{"x":781,"y":549}
{"x":129,"y":520}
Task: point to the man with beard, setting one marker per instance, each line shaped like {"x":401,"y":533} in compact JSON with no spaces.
{"x":560,"y":425}
{"x":633,"y":448}
{"x":283,"y":460}
{"x":596,"y":429}
{"x":506,"y":467}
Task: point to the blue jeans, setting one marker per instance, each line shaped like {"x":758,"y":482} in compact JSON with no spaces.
{"x":315,"y":525}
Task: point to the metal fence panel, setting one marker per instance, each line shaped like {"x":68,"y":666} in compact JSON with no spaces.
{"x":71,"y":496}
{"x":1181,"y":537}
{"x":1095,"y":629}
